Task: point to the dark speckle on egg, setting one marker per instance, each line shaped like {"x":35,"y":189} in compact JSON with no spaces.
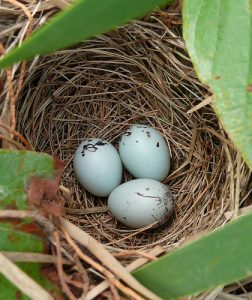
{"x":92,"y":147}
{"x":127,"y":133}
{"x":100,"y":143}
{"x":157,"y":144}
{"x":148,"y":134}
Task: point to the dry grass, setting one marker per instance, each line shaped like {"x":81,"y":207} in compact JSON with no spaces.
{"x":138,"y":73}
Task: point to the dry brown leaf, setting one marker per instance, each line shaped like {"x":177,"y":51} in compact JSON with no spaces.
{"x":43,"y":193}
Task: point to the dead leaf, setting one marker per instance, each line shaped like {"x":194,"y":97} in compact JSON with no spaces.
{"x":43,"y":193}
{"x":32,"y":228}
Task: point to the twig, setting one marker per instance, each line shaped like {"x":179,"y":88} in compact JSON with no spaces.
{"x":18,"y":214}
{"x":60,"y":3}
{"x":101,"y":269}
{"x":240,"y":212}
{"x":28,"y":32}
{"x":213,"y":294}
{"x":105,"y":257}
{"x":33,"y":257}
{"x":59,"y":264}
{"x":22,"y":280}
{"x":76,"y":283}
{"x":26,"y":11}
{"x":237,"y":186}
{"x":17,"y":134}
{"x":11,"y":93}
{"x":101,"y":287}
{"x":9,"y":140}
{"x":134,"y":253}
{"x":115,"y":294}
{"x":83,"y":272}
{"x":86,"y":211}
{"x":203,"y":103}
{"x":226,"y":296}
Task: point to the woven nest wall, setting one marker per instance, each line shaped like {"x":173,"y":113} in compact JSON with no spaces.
{"x":140,"y":73}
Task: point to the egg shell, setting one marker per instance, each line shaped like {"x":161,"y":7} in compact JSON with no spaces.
{"x":145,"y":153}
{"x":98,"y":166}
{"x":141,"y":202}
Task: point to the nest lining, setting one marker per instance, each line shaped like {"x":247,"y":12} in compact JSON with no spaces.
{"x":139,"y":73}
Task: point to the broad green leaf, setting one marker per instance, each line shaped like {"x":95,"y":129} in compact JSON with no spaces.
{"x":16,"y":167}
{"x":82,"y":20}
{"x":218,"y":35}
{"x":219,"y":258}
{"x":13,"y":238}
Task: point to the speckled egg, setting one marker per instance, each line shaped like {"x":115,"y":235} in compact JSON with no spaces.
{"x":141,"y":202}
{"x":98,"y":166}
{"x":145,"y":153}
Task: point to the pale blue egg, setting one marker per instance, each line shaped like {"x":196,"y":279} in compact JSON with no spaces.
{"x":141,"y":202}
{"x":97,"y":166}
{"x":145,"y":153}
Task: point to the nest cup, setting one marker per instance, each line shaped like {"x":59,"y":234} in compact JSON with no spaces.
{"x":139,"y":73}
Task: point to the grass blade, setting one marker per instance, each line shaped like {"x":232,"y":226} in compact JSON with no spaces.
{"x":219,"y":258}
{"x":80,"y":21}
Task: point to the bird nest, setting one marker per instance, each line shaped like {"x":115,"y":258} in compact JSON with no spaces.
{"x":139,"y":73}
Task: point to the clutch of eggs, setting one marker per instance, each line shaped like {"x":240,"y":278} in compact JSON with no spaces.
{"x":145,"y":153}
{"x":98,"y":166}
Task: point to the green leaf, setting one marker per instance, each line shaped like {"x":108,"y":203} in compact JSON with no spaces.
{"x":218,"y":35}
{"x":82,"y":20}
{"x":13,"y":238}
{"x":16,"y":167}
{"x":219,"y":258}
